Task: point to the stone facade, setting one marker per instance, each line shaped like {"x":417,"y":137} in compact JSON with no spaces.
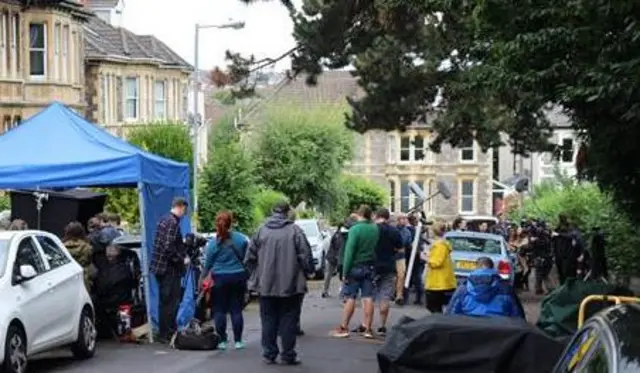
{"x":52,"y":34}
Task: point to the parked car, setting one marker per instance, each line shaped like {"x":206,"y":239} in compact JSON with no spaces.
{"x":319,"y":241}
{"x":45,"y":304}
{"x":474,"y":221}
{"x":469,"y":246}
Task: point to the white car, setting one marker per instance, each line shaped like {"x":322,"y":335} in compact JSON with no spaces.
{"x":45,"y":304}
{"x":319,"y":241}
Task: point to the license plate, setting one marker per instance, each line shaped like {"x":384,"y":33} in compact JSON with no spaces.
{"x":464,"y":264}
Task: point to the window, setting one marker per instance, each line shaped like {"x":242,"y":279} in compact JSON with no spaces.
{"x":160,"y":101}
{"x":392,"y":196}
{"x":405,"y":148}
{"x":28,"y":255}
{"x":476,"y":245}
{"x":52,"y":252}
{"x":105,"y":99}
{"x":6,"y":123}
{"x":37,"y":50}
{"x":65,"y":54}
{"x":131,"y":98}
{"x":467,"y":153}
{"x":185,"y":101}
{"x":467,"y":204}
{"x":430,"y":203}
{"x":419,"y":148}
{"x":566,"y":151}
{"x":56,"y":50}
{"x":405,"y":196}
{"x":15,"y":41}
{"x":16,"y":121}
{"x":4,"y":43}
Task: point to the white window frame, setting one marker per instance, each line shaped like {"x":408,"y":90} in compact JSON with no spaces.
{"x":160,"y":101}
{"x":57,"y":36}
{"x":473,"y":196}
{"x":4,"y":43}
{"x":105,"y":99}
{"x":129,"y":97}
{"x":573,"y":153}
{"x":412,"y":148}
{"x":392,"y":195}
{"x":65,"y":53}
{"x":14,"y":44}
{"x":40,"y":50}
{"x":472,"y":148}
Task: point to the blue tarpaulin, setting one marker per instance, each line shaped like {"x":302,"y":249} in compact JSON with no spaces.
{"x":187,"y":308}
{"x":57,"y":148}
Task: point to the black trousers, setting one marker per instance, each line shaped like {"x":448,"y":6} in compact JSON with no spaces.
{"x":438,"y":299}
{"x":169,"y":289}
{"x":279,"y":317}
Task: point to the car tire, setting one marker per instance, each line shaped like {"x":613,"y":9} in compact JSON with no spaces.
{"x":85,"y":346}
{"x":15,"y":351}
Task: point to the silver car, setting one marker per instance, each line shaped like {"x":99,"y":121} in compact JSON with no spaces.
{"x":319,"y":241}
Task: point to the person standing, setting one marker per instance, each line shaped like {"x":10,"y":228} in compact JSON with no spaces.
{"x":358,"y":272}
{"x":336,"y":246}
{"x":440,"y":280}
{"x":279,"y":260}
{"x":168,"y":265}
{"x":224,"y":261}
{"x":567,"y":249}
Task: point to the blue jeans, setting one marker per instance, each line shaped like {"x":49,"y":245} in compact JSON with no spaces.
{"x":359,"y":280}
{"x":228,"y":299}
{"x":279,"y":316}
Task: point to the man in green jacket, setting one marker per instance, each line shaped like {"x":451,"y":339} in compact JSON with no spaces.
{"x":358,"y":271}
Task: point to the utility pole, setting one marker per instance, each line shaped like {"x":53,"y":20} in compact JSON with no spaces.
{"x":196,"y":119}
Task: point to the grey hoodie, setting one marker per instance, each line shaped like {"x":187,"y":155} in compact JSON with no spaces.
{"x":279,"y":259}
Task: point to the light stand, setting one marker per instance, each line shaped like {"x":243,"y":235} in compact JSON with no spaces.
{"x":40,"y":197}
{"x":416,"y":237}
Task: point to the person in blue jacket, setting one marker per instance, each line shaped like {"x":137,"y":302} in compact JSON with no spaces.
{"x":224,"y":260}
{"x":485,"y":294}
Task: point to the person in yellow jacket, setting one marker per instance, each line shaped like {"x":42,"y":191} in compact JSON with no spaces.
{"x":440,"y":280}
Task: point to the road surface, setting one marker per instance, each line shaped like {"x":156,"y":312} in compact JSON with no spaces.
{"x":318,"y":352}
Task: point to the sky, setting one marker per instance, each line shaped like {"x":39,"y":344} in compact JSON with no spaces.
{"x":267,"y":31}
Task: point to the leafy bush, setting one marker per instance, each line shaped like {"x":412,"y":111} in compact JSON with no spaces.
{"x":352,"y":191}
{"x":265,"y":200}
{"x":227,"y":181}
{"x":168,"y":140}
{"x":589,"y":208}
{"x":5,"y":201}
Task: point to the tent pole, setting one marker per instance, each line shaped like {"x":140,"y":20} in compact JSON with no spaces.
{"x":145,"y":261}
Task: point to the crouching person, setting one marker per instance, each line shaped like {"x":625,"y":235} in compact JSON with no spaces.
{"x":485,"y":294}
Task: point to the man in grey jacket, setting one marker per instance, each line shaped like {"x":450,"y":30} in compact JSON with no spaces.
{"x":279,"y":260}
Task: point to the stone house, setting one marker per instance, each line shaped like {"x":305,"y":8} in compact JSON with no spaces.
{"x":41,"y":57}
{"x":393,"y":159}
{"x":132,"y":79}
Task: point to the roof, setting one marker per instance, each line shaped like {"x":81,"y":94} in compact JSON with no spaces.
{"x":333,"y":87}
{"x":77,"y":153}
{"x":75,"y":7}
{"x":101,"y":4}
{"x":106,"y":42}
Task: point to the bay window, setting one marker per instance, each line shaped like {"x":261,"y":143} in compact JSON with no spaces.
{"x":37,"y":50}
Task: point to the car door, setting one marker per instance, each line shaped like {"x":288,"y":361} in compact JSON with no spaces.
{"x":66,"y":281}
{"x":32,"y":297}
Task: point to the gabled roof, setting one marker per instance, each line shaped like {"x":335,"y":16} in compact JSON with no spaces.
{"x":106,"y":42}
{"x":101,"y":4}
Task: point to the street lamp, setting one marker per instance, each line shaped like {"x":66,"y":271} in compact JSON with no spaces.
{"x":196,"y":120}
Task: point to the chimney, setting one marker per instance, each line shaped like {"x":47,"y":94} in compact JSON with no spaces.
{"x":108,"y":11}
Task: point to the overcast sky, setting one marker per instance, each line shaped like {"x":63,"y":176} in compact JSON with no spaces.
{"x":267,"y":32}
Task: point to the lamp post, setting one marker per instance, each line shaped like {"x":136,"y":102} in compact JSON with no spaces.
{"x":196,"y":120}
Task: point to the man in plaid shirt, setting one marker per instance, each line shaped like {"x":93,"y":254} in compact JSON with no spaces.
{"x":168,"y":264}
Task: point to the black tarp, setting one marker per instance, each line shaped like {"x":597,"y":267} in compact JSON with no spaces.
{"x":459,"y":344}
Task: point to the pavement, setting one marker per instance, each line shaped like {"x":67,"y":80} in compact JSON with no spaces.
{"x":318,"y":351}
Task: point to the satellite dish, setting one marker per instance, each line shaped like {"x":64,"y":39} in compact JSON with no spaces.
{"x":415,"y":189}
{"x":522,"y":185}
{"x":443,"y":189}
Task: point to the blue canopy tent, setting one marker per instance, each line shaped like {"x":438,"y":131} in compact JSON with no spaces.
{"x":57,"y":148}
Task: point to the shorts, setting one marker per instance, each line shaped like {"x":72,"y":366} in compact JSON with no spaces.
{"x":359,"y":281}
{"x":385,"y":287}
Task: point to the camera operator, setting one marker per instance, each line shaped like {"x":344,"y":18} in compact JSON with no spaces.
{"x":567,"y":248}
{"x":542,"y":258}
{"x":168,"y":265}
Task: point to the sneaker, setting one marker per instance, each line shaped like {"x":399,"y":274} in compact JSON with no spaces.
{"x":239,"y":345}
{"x":340,"y":332}
{"x":222,"y":346}
{"x":382,"y":331}
{"x":359,"y":329}
{"x":291,"y":362}
{"x":368,"y":334}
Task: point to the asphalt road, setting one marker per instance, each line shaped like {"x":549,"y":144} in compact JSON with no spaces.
{"x":318,"y":352}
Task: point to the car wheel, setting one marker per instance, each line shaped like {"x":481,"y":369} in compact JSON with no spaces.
{"x":15,"y":351}
{"x":85,"y":346}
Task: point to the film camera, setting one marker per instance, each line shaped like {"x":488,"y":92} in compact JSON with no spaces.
{"x":195,"y":245}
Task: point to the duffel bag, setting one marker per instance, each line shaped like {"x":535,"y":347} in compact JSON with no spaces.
{"x":196,"y":338}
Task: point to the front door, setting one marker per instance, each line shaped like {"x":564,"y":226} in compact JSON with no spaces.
{"x":32,"y":297}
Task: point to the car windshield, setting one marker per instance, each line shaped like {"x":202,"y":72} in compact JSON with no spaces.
{"x":4,"y":255}
{"x":476,"y":244}
{"x":309,"y":227}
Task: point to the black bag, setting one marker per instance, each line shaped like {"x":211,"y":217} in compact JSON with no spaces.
{"x":196,"y":338}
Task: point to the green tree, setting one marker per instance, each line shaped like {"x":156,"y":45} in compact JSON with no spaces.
{"x":301,"y":153}
{"x":265,"y":200}
{"x":485,"y":68}
{"x":227,"y":181}
{"x":589,"y":207}
{"x":362,"y":191}
{"x":165,"y":139}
